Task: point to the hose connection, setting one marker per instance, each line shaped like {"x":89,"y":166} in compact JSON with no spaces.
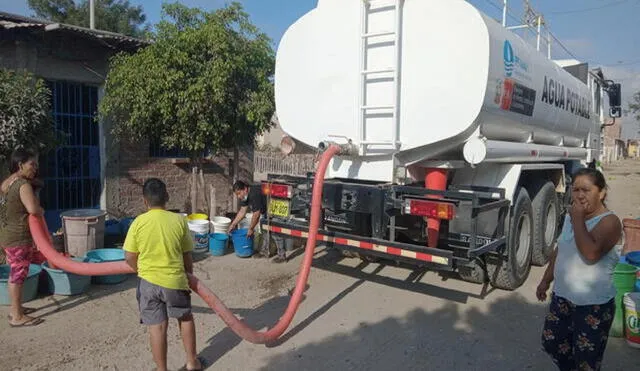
{"x":346,"y":149}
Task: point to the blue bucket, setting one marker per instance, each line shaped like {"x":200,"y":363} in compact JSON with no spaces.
{"x":63,"y":283}
{"x":125,"y":223}
{"x":112,"y":228}
{"x":218,"y":243}
{"x":242,"y":245}
{"x":633,"y":258}
{"x":107,"y":255}
{"x":29,"y":289}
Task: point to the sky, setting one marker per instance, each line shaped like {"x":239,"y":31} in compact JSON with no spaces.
{"x":601,"y":32}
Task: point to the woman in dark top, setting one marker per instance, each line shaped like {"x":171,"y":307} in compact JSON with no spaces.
{"x":17,"y":201}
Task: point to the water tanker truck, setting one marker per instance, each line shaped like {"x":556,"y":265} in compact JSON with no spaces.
{"x":459,"y":137}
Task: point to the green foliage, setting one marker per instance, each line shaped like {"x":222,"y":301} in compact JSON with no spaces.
{"x":634,"y":106}
{"x":110,"y":15}
{"x":25,"y":113}
{"x":204,"y":84}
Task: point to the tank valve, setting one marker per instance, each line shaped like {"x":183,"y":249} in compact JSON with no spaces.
{"x":346,"y":149}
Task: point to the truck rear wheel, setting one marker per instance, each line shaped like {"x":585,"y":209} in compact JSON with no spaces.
{"x":546,"y":209}
{"x":510,"y":268}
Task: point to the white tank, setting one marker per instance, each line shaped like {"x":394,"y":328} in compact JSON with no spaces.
{"x":462,"y":75}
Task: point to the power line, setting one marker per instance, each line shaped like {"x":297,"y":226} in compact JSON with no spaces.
{"x":562,"y":46}
{"x":616,"y":3}
{"x":513,"y":17}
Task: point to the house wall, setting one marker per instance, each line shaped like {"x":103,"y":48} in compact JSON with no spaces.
{"x":124,"y":166}
{"x":130,"y":165}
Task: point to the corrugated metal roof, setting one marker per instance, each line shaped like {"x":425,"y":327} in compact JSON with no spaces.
{"x":9,"y":25}
{"x":14,"y":21}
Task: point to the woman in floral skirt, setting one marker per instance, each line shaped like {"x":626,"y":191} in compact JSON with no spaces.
{"x":576,"y":329}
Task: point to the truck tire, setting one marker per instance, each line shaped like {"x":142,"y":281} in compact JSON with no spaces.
{"x":546,"y":211}
{"x":510,"y":268}
{"x":474,"y":272}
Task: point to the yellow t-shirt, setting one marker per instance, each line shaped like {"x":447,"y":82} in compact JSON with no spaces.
{"x":160,"y":237}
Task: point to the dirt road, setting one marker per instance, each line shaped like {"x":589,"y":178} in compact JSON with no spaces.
{"x":354,"y":316}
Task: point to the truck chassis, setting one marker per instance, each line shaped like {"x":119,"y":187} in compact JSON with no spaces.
{"x":375,"y":220}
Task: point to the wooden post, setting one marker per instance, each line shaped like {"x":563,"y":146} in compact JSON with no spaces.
{"x":194,"y":189}
{"x":202,"y":187}
{"x":236,"y":174}
{"x":212,"y":202}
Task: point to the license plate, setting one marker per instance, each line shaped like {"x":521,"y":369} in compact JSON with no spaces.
{"x":279,"y":208}
{"x":480,"y":241}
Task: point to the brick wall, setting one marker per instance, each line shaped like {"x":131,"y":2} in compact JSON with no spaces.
{"x":128,"y":166}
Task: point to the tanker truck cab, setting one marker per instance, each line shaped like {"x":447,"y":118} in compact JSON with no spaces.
{"x":466,"y":169}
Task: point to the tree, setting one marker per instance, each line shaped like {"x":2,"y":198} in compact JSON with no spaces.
{"x":634,"y":106}
{"x":203,"y":86}
{"x":110,"y":15}
{"x":25,"y":113}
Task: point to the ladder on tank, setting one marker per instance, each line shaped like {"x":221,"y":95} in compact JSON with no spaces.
{"x":386,"y":35}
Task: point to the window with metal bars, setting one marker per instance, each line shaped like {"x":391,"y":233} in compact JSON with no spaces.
{"x":71,"y":173}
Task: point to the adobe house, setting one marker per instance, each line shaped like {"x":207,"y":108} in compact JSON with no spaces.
{"x":90,"y":170}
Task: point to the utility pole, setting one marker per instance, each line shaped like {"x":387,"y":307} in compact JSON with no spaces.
{"x":505,"y":12}
{"x":92,"y":14}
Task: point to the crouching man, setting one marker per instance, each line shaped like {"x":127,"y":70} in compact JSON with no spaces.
{"x":252,"y":199}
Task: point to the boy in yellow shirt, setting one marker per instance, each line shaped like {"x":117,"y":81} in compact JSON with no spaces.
{"x":158,"y":246}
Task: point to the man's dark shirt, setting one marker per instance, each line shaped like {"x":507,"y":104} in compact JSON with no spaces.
{"x":256,"y":201}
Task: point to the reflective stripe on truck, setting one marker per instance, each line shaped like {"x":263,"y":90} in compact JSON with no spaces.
{"x":440,"y":260}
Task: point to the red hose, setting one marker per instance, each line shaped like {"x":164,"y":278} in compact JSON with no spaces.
{"x":42,"y":239}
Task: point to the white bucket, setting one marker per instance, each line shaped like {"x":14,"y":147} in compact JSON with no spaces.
{"x":632,"y":319}
{"x":220,"y":224}
{"x":200,"y":233}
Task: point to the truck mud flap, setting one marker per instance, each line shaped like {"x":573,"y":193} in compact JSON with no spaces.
{"x":428,"y":257}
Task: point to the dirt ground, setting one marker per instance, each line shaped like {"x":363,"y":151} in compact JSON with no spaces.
{"x":355,"y":316}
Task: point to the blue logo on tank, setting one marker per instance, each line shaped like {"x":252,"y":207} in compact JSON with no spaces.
{"x":509,"y":58}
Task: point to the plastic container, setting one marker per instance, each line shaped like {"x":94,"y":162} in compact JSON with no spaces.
{"x":218,"y":243}
{"x":220,"y":224}
{"x":107,"y":255}
{"x":624,"y":279}
{"x":242,"y":245}
{"x":125,"y":224}
{"x":633,"y":258}
{"x":63,"y":283}
{"x":29,"y":289}
{"x":197,"y":217}
{"x":83,"y":230}
{"x":112,"y":227}
{"x":246,"y":222}
{"x":200,"y":234}
{"x":632,"y":319}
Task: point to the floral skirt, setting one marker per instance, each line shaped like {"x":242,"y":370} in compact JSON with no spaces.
{"x":19,"y":258}
{"x":575,"y":336}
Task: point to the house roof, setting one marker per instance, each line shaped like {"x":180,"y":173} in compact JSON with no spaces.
{"x":113,"y":40}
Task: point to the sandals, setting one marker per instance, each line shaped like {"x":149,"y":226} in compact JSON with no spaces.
{"x":28,"y":323}
{"x":25,"y":311}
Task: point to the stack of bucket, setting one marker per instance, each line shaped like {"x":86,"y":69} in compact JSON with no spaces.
{"x":633,"y":258}
{"x":631,"y":303}
{"x":218,"y":240}
{"x":624,"y":279}
{"x":199,"y":228}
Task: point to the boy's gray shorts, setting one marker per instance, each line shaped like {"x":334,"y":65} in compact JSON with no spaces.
{"x":157,"y":304}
